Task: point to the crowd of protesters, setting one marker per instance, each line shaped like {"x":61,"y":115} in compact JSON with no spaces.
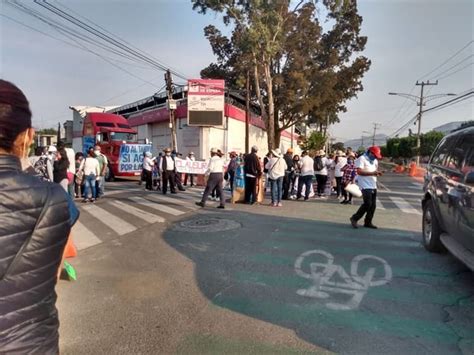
{"x":293,"y":177}
{"x":80,"y":176}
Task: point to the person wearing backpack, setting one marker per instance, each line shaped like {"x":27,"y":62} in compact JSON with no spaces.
{"x":276,"y":167}
{"x":321,"y":171}
{"x":42,"y":165}
{"x":288,"y":157}
{"x":307,"y":173}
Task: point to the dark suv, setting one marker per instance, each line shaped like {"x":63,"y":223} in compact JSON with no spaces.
{"x":448,"y":202}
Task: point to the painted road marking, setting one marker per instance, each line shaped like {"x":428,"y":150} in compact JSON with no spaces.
{"x":143,"y":215}
{"x":403,"y":193}
{"x":115,"y":223}
{"x":120,"y":191}
{"x":383,"y":186}
{"x":82,"y":237}
{"x":161,"y":198}
{"x":325,"y":278}
{"x":404,"y":206}
{"x":379,"y":205}
{"x":157,"y":206}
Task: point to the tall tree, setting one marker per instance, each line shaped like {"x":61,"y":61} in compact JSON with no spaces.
{"x":301,"y":74}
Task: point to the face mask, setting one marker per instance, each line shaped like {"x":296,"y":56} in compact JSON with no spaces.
{"x":168,"y":154}
{"x":96,"y":153}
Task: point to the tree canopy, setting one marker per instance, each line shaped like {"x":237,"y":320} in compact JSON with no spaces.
{"x":300,"y":73}
{"x":405,"y":147}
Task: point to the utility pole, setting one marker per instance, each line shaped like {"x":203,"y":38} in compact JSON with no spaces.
{"x":376,"y":126}
{"x":171,"y":109}
{"x":421,"y":101}
{"x":247,"y":113}
{"x":58,"y":136}
{"x":418,"y":140}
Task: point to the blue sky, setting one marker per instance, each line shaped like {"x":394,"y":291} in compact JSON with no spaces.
{"x":406,"y":39}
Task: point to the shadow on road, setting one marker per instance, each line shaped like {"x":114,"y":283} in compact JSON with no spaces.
{"x":350,"y":291}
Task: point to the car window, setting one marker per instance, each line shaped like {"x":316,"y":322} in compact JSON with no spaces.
{"x":439,"y":156}
{"x":467,"y":145}
{"x":456,"y":159}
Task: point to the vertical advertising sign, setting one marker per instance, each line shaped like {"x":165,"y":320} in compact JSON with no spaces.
{"x":206,"y":102}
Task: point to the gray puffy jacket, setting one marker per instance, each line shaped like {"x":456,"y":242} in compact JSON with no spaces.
{"x":34,"y":226}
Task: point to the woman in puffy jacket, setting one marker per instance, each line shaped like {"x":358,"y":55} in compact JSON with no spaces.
{"x":35,"y":223}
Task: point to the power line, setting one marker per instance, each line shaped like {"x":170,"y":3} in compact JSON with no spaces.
{"x":402,"y":106}
{"x":66,"y":42}
{"x":455,"y":65}
{"x":455,"y":100}
{"x":447,"y":60}
{"x":103,"y":36}
{"x":130,"y":55}
{"x":455,"y":72}
{"x":117,"y":37}
{"x":59,"y":26}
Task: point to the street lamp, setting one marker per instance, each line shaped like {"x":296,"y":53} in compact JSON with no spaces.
{"x":420,"y":101}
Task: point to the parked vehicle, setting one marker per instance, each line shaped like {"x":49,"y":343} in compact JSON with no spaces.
{"x":448,"y":202}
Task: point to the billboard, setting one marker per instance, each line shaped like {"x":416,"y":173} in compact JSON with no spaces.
{"x":206,"y":102}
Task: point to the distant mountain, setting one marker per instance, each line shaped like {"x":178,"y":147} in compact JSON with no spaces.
{"x":448,"y":127}
{"x":380,"y":139}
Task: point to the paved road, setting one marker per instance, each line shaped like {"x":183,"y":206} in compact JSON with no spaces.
{"x":262,"y":280}
{"x":127,"y":208}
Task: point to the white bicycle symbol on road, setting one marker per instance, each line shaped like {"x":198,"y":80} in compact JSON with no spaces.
{"x":323,"y":276}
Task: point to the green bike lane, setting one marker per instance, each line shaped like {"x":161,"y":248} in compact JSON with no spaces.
{"x":350,"y":291}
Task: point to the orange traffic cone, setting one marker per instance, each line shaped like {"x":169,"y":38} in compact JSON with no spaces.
{"x":70,"y":251}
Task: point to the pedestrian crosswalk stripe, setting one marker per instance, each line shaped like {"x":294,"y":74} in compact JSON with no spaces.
{"x":143,"y":215}
{"x":404,"y":206}
{"x":115,"y":223}
{"x":161,"y":198}
{"x":82,"y":237}
{"x":157,"y":206}
{"x":379,"y":205}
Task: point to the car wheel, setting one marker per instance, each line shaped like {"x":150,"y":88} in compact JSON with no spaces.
{"x":431,"y":230}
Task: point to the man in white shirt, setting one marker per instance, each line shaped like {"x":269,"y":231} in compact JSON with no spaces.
{"x":306,"y":177}
{"x":189,"y":158}
{"x":167,"y":168}
{"x":367,"y":171}
{"x":321,"y":170}
{"x":215,"y":173}
{"x":148,"y":163}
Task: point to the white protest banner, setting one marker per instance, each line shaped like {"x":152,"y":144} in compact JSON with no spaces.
{"x":190,"y":167}
{"x":131,"y":157}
